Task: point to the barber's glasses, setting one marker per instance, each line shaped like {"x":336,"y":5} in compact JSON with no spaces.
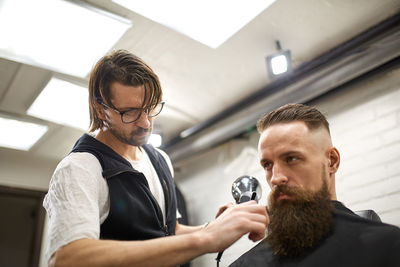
{"x":133,"y":114}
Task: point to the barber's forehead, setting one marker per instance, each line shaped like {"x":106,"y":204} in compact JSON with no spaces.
{"x":125,"y":92}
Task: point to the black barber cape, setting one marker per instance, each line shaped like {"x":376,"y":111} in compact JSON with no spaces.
{"x":354,"y":241}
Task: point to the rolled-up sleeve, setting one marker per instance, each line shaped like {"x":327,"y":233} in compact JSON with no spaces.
{"x":75,"y":201}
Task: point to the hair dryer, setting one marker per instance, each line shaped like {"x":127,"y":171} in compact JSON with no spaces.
{"x":244,"y":188}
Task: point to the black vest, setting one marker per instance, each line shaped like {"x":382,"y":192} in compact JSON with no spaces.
{"x":134,"y":212}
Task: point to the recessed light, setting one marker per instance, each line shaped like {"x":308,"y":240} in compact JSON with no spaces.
{"x":59,"y":35}
{"x":20,"y":135}
{"x":208,"y":21}
{"x":64,"y":103}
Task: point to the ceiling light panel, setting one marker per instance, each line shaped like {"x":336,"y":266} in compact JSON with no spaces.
{"x":19,"y":134}
{"x":64,"y":103}
{"x":59,"y":35}
{"x":208,"y":21}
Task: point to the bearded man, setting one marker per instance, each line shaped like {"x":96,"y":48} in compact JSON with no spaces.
{"x":308,"y":226}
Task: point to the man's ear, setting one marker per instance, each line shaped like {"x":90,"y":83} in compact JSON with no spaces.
{"x":100,"y":111}
{"x":334,"y":160}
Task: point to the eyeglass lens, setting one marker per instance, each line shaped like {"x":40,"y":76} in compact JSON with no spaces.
{"x":134,"y":114}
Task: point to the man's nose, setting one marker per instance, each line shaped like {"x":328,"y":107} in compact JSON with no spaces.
{"x":278,"y":175}
{"x":143,"y":121}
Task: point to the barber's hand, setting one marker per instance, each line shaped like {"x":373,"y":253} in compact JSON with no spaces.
{"x":223,"y":208}
{"x":234,"y":221}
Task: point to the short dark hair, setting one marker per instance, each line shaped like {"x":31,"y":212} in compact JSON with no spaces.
{"x":311,"y":116}
{"x":123,"y":67}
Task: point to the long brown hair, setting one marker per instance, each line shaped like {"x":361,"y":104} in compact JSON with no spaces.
{"x":123,"y":67}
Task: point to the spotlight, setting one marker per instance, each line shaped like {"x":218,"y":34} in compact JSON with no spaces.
{"x":278,"y":63}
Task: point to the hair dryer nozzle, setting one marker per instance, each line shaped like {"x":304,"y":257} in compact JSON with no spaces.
{"x":246,"y":188}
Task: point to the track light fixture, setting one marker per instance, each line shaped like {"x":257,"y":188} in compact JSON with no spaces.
{"x":278,"y":63}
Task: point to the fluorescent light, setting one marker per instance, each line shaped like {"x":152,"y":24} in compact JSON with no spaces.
{"x":208,"y":21}
{"x":155,"y":140}
{"x":64,"y":103}
{"x":19,"y":134}
{"x":58,"y":35}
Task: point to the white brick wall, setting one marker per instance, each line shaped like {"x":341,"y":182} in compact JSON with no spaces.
{"x":365,"y":127}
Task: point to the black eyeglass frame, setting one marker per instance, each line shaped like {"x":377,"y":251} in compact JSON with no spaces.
{"x":145,"y":110}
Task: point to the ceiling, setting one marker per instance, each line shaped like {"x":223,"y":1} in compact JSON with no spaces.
{"x":198,"y":81}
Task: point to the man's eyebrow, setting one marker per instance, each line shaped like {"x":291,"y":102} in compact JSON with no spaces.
{"x":291,"y":152}
{"x":128,"y":108}
{"x":284,"y":154}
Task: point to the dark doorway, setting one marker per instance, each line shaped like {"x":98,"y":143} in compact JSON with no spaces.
{"x":21,"y":226}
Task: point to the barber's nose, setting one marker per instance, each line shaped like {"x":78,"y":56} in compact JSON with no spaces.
{"x":143,"y":121}
{"x":278,"y":176}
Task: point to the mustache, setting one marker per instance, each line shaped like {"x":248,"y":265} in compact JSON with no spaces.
{"x":284,"y":189}
{"x":141,"y":131}
{"x":292,"y":191}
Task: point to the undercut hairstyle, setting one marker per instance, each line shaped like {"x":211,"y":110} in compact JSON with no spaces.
{"x":123,"y":67}
{"x":311,"y":116}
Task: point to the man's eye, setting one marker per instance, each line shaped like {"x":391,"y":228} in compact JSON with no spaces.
{"x":291,"y":159}
{"x":267,"y":165}
{"x":133,"y":113}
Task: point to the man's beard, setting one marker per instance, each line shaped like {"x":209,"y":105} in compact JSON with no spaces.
{"x":131,"y":138}
{"x":299,"y":223}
